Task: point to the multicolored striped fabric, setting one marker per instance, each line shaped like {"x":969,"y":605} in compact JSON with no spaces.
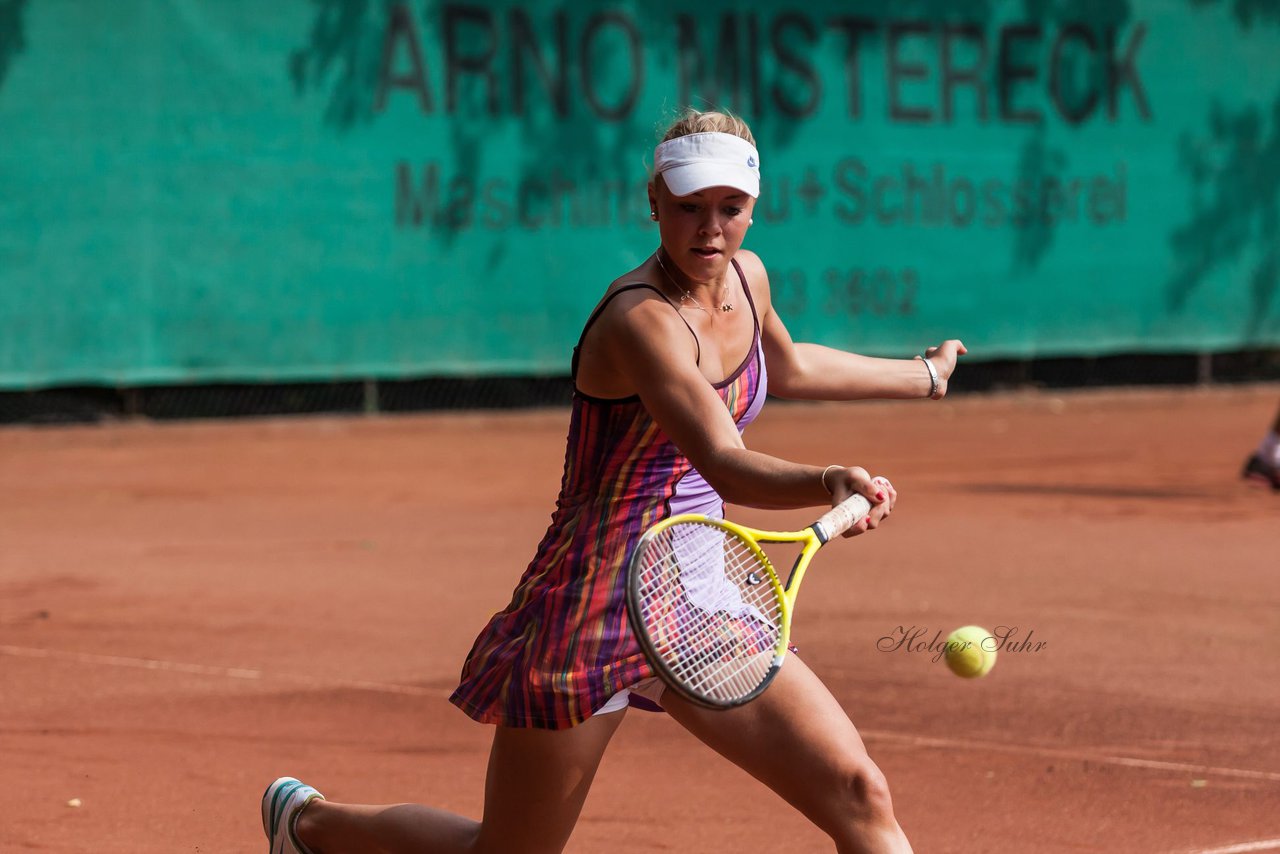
{"x":562,"y":646}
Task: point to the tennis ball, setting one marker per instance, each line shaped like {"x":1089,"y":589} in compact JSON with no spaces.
{"x":970,"y":652}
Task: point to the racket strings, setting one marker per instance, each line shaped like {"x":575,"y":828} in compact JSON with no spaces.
{"x":711,"y":610}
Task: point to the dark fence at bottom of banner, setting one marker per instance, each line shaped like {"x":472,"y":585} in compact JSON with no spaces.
{"x":90,"y":404}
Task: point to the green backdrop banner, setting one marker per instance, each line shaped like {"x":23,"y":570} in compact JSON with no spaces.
{"x":197,"y":191}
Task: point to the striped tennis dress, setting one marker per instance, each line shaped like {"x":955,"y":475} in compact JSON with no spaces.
{"x":563,"y":646}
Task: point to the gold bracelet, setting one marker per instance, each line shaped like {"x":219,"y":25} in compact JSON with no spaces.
{"x":824,"y":477}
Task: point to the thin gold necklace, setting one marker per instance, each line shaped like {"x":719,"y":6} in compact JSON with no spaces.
{"x":685,"y":296}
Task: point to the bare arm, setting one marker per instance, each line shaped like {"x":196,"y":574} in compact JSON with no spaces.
{"x":813,"y":372}
{"x":647,"y":345}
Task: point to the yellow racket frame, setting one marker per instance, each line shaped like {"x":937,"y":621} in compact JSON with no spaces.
{"x":836,"y":521}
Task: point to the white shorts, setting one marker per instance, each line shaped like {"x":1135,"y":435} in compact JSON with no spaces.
{"x":650,"y":689}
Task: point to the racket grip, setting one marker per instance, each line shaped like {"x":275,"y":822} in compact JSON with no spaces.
{"x":842,"y":517}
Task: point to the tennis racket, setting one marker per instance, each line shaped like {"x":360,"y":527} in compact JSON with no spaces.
{"x":710,"y":610}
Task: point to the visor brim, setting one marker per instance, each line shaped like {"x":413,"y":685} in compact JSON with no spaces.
{"x":693,"y":177}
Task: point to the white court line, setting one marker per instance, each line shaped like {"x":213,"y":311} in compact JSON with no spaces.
{"x":1241,"y":848}
{"x":1057,"y":753}
{"x":206,"y":670}
{"x":870,"y":735}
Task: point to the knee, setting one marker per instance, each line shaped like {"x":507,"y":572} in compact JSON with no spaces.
{"x":860,"y":799}
{"x":869,"y":794}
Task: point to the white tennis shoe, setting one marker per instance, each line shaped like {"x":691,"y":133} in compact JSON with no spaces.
{"x":281,"y":803}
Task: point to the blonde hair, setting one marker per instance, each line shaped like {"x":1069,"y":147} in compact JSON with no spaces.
{"x":710,"y":121}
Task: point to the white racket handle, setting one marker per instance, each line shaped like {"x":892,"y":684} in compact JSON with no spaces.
{"x":842,"y":517}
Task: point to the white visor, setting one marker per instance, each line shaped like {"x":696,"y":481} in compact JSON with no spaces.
{"x":691,"y":163}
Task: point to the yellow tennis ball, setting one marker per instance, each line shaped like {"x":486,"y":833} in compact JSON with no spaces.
{"x":970,"y":651}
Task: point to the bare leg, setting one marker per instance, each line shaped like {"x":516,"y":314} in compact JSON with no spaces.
{"x":797,"y":740}
{"x":537,"y":783}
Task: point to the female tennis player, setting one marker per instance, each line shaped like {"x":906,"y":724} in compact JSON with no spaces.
{"x":1263,"y":465}
{"x":670,"y":368}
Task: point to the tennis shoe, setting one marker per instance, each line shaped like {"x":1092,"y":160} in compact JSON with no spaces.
{"x":1256,"y":469}
{"x":281,"y":803}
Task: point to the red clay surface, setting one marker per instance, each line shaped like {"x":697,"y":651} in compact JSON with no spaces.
{"x":189,"y":610}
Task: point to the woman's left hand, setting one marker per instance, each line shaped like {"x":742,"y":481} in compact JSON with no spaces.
{"x":944,"y":358}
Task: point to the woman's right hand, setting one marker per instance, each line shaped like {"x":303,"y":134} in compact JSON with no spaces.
{"x":854,"y":480}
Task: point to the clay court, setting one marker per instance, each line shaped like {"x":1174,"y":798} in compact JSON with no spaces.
{"x":188,"y":610}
